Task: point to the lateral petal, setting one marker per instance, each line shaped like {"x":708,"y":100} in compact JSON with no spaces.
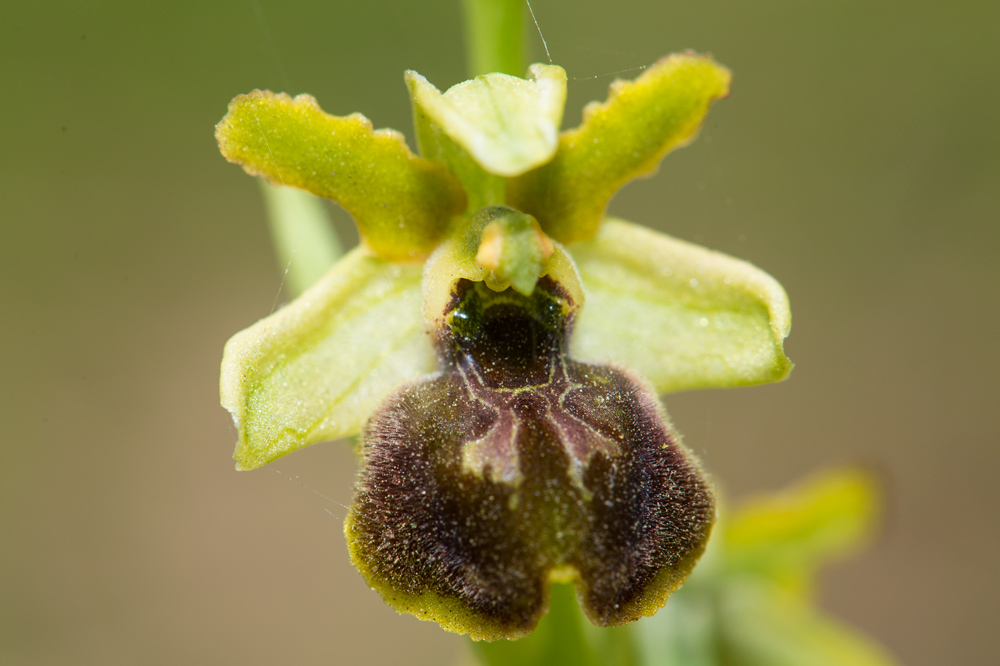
{"x":621,"y":139}
{"x":401,"y":203}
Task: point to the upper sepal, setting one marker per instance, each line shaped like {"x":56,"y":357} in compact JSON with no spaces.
{"x":507,"y":124}
{"x":621,"y":139}
{"x":316,"y":369}
{"x":680,"y":315}
{"x":401,"y":203}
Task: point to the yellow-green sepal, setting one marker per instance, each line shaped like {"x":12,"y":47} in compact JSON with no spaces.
{"x":316,"y":369}
{"x":621,"y":139}
{"x":481,"y":187}
{"x":401,"y":203}
{"x":508,"y":125}
{"x":678,"y":314}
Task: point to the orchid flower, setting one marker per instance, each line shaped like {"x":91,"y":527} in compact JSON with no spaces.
{"x":498,"y":341}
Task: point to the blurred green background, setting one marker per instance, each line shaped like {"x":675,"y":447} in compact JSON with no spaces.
{"x":858,"y":161}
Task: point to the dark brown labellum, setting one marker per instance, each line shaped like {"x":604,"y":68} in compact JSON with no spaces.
{"x":516,"y":466}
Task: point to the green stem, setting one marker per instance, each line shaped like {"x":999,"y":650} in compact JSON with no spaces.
{"x":494,"y":36}
{"x":565,"y":637}
{"x":559,"y":639}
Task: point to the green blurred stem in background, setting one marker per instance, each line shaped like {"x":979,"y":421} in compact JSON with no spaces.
{"x":493,"y":36}
{"x":304,"y":240}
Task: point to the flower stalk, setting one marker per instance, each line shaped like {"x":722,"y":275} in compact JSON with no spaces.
{"x":494,"y":36}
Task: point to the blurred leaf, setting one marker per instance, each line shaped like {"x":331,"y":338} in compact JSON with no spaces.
{"x":678,"y":314}
{"x":401,"y":203}
{"x":787,"y":535}
{"x":761,"y":626}
{"x":621,"y":139}
{"x":304,"y":240}
{"x":683,"y":633}
{"x":317,"y":368}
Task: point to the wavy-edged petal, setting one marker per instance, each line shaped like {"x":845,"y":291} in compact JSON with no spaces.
{"x":507,"y":124}
{"x":678,"y":314}
{"x":402,"y":204}
{"x":621,"y":139}
{"x":316,"y":369}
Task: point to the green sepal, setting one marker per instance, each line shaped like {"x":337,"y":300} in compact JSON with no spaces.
{"x":621,"y":139}
{"x":316,"y":369}
{"x":482,"y":188}
{"x":678,"y":314}
{"x":507,"y":124}
{"x":402,"y":204}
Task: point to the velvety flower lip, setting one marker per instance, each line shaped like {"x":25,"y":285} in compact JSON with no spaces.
{"x":517,"y":465}
{"x":499,"y":341}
